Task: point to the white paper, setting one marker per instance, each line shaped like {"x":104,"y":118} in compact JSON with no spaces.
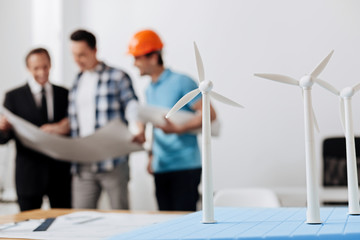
{"x":112,"y":140}
{"x":90,"y":225}
{"x":156,"y":116}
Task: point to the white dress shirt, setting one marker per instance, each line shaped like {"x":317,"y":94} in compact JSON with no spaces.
{"x":85,"y":102}
{"x":35,"y":89}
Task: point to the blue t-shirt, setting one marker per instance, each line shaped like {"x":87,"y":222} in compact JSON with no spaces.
{"x":173,"y":152}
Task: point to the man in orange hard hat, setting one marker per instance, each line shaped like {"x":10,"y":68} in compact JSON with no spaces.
{"x":175,"y":157}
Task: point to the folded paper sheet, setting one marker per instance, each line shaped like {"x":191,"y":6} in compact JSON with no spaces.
{"x":156,"y":116}
{"x":113,"y":140}
{"x":84,"y":225}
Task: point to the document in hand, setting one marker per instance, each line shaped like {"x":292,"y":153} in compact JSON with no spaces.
{"x":112,"y":140}
{"x":156,"y":115}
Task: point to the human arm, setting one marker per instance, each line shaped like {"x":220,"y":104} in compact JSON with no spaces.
{"x":140,"y":136}
{"x":135,"y":126}
{"x":148,"y":146}
{"x":128,"y":99}
{"x":62,"y":127}
{"x":192,"y":124}
{"x":5,"y":128}
{"x":149,"y":165}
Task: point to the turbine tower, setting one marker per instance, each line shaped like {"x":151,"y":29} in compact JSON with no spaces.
{"x":205,"y":87}
{"x":347,"y":122}
{"x":312,"y":188}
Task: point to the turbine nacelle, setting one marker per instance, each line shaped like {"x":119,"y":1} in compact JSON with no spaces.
{"x":306,"y":82}
{"x":205,"y":86}
{"x":347,"y":92}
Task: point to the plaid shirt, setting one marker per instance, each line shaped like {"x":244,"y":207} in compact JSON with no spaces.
{"x":114,"y":91}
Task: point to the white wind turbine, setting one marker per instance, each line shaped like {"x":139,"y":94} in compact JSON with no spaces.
{"x":347,"y":122}
{"x":312,"y":188}
{"x":205,"y":87}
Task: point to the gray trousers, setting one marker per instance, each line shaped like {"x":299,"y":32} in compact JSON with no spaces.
{"x":87,"y":187}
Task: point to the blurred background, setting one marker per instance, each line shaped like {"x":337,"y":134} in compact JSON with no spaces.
{"x":259,"y":146}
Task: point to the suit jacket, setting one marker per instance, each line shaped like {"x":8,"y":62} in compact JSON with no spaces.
{"x":33,"y":169}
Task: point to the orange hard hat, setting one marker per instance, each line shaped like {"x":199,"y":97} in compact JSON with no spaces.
{"x":144,"y":42}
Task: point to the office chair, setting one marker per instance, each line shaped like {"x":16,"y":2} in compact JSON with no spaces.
{"x":246,"y":197}
{"x":334,"y":161}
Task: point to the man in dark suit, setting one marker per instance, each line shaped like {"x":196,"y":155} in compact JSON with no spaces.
{"x":44,"y":105}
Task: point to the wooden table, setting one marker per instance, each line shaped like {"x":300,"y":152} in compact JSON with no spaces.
{"x":40,"y":214}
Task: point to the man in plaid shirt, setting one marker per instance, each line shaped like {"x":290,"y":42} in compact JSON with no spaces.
{"x":99,"y":94}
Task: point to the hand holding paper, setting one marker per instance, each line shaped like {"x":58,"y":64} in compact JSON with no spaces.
{"x":4,"y":124}
{"x":156,"y":116}
{"x":169,"y":127}
{"x":61,"y":128}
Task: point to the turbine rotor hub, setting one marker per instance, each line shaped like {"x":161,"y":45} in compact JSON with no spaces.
{"x":306,"y":81}
{"x":206,"y":86}
{"x":347,"y":92}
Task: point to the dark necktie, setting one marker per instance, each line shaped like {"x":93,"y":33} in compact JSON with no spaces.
{"x":44,"y":113}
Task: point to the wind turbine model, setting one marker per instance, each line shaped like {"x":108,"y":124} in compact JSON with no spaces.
{"x":312,"y":188}
{"x":347,"y":122}
{"x":205,"y":87}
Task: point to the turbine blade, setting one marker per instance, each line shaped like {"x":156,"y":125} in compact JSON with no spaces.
{"x":356,"y":88}
{"x":342,"y":113}
{"x":184,"y":100}
{"x":199,"y":64}
{"x":225,"y":100}
{"x":321,"y":66}
{"x":312,"y":114}
{"x":278,"y":78}
{"x":315,"y":121}
{"x":327,"y":86}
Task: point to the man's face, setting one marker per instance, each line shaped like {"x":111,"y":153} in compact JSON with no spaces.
{"x":84,"y":56}
{"x":39,"y":66}
{"x":144,"y":64}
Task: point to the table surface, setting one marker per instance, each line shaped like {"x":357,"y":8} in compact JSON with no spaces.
{"x":233,"y":223}
{"x":41,"y":214}
{"x":254,"y":224}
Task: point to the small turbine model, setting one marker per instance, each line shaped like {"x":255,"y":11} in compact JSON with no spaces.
{"x":312,"y":188}
{"x":205,"y":87}
{"x":347,"y":122}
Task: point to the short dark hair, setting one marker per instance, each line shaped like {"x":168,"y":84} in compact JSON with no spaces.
{"x":83,"y":35}
{"x":37,"y":51}
{"x":160,"y":60}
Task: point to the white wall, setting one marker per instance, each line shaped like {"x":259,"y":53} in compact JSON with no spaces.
{"x":262,"y":145}
{"x":15,"y":30}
